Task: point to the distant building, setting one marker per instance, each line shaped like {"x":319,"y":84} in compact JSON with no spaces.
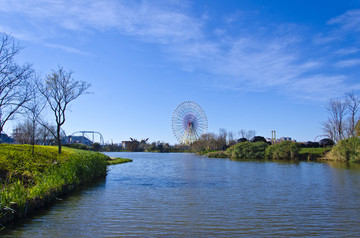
{"x":126,"y":144}
{"x":280,"y":139}
{"x":130,"y":145}
{"x":76,"y":140}
{"x":4,"y":138}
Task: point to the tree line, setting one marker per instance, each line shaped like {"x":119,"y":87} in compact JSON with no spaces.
{"x":343,"y":118}
{"x":23,"y":92}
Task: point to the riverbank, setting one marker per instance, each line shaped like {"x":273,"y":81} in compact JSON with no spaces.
{"x":31,"y":180}
{"x":113,"y":161}
{"x":347,"y":150}
{"x":304,"y":154}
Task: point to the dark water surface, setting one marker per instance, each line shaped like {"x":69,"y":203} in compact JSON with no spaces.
{"x":185,"y":195}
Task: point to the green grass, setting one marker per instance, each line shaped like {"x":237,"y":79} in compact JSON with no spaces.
{"x":26,"y":176}
{"x":313,"y":153}
{"x":113,"y":161}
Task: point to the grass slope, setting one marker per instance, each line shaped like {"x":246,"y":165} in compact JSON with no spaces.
{"x":26,"y":177}
{"x":113,"y":161}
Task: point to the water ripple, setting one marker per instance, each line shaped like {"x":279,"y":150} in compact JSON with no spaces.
{"x":183,"y":195}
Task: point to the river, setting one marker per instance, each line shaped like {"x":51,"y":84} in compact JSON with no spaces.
{"x":185,"y":195}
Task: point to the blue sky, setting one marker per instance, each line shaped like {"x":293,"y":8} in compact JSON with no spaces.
{"x":254,"y":65}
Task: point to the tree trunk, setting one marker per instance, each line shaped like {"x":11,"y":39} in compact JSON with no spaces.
{"x":33,"y":137}
{"x":58,"y":139}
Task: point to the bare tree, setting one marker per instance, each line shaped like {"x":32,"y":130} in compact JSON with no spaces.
{"x":242,"y":133}
{"x":357,"y":129}
{"x":247,"y":134}
{"x":335,"y":126}
{"x":223,"y":133}
{"x":250,"y":134}
{"x":353,"y":105}
{"x":34,"y":108}
{"x":59,"y":90}
{"x":23,"y":132}
{"x":14,"y":89}
{"x":46,"y":133}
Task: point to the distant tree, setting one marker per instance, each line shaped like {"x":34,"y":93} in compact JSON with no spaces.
{"x":250,"y":134}
{"x":14,"y":87}
{"x":223,"y":134}
{"x":353,"y":106}
{"x":23,"y":132}
{"x":357,"y":129}
{"x":46,"y":133}
{"x":59,"y":89}
{"x":242,"y":133}
{"x":247,"y":134}
{"x":242,"y":140}
{"x":208,"y":142}
{"x":258,"y":139}
{"x":34,"y":108}
{"x":335,"y":126}
{"x":326,"y":142}
{"x":96,"y":146}
{"x":310,"y":144}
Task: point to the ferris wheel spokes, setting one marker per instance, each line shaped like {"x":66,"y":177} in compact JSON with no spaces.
{"x":188,"y":122}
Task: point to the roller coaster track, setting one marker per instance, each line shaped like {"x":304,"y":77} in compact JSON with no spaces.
{"x":87,"y":133}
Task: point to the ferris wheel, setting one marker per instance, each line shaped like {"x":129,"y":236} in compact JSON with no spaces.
{"x":189,"y":122}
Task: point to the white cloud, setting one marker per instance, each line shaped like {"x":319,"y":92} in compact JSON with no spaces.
{"x":269,"y":57}
{"x":66,"y":48}
{"x":347,"y":63}
{"x":349,"y":21}
{"x":347,"y":51}
{"x":319,"y":87}
{"x":153,"y":22}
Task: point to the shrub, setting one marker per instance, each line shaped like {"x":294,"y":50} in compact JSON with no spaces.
{"x":217,"y":154}
{"x":285,"y":150}
{"x":347,"y":150}
{"x":247,"y":150}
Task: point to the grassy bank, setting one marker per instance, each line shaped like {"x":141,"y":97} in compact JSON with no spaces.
{"x":313,"y":153}
{"x":32,"y":180}
{"x":248,"y":151}
{"x":112,"y":161}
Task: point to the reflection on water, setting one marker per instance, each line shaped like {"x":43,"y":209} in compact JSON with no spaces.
{"x":187,"y":195}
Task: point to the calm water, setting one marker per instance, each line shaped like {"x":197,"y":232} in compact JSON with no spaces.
{"x":186,"y":195}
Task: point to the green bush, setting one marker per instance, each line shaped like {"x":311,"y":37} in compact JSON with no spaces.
{"x":347,"y":150}
{"x":217,"y":154}
{"x":285,"y":150}
{"x":247,"y":150}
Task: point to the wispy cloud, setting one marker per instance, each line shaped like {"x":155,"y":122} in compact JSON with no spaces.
{"x":257,"y":59}
{"x":347,"y":63}
{"x":347,"y":51}
{"x":66,"y":48}
{"x":349,"y":21}
{"x":152,"y":21}
{"x":340,"y":27}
